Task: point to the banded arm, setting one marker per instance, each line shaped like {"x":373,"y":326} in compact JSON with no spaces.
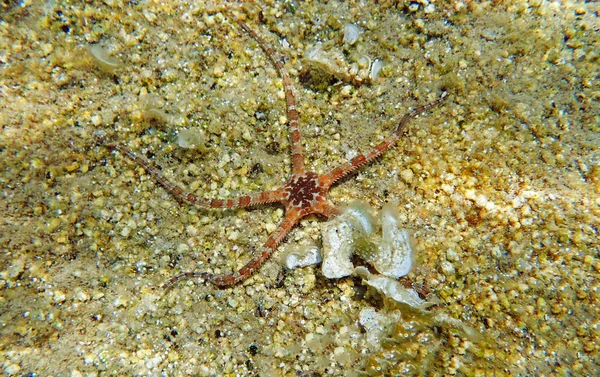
{"x":362,"y":159}
{"x":290,"y":100}
{"x":227,"y":280}
{"x":191,"y":198}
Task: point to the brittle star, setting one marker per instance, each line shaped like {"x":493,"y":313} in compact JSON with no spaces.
{"x":303,"y":194}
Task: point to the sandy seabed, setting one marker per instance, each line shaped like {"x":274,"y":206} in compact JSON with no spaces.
{"x":500,"y":186}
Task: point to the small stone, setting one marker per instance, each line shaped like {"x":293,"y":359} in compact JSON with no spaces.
{"x":233,"y":236}
{"x":82,"y":296}
{"x":346,"y":91}
{"x":89,"y":359}
{"x":125,"y":232}
{"x":96,"y":120}
{"x":218,"y":71}
{"x":153,"y":362}
{"x":120,"y":302}
{"x":232,"y":302}
{"x":183,"y":248}
{"x":430,"y":8}
{"x":448,"y":189}
{"x":407,"y":175}
{"x":270,"y":227}
{"x":447,"y":268}
{"x":11,"y":368}
{"x":59,"y":297}
{"x":16,"y":268}
{"x":47,"y":49}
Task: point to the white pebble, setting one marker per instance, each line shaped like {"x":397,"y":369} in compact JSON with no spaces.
{"x":447,"y":268}
{"x":430,"y":8}
{"x":11,"y":368}
{"x":448,"y":189}
{"x":16,"y":268}
{"x":96,"y":120}
{"x":59,"y":297}
{"x":126,"y":231}
{"x":270,"y":227}
{"x":120,"y":302}
{"x":407,"y":175}
{"x":81,"y":296}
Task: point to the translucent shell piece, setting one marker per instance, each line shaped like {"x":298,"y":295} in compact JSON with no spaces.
{"x":338,"y":247}
{"x":395,"y":257}
{"x":355,"y":232}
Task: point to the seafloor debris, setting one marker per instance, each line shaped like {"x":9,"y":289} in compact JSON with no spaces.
{"x":395,"y":256}
{"x":338,"y":247}
{"x":391,"y":288}
{"x":191,"y":138}
{"x":325,"y":63}
{"x":295,"y":257}
{"x":377,"y":325}
{"x":354,"y":232}
{"x":351,"y":33}
{"x":150,"y":106}
{"x":103,"y":60}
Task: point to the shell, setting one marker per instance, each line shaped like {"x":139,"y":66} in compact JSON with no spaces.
{"x":338,"y":247}
{"x":392,"y":289}
{"x":103,"y":59}
{"x":298,"y":257}
{"x":351,"y":34}
{"x":395,"y":256}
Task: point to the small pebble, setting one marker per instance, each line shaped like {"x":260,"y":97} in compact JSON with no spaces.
{"x":59,"y":297}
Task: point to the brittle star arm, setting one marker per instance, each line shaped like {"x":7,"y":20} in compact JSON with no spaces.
{"x":362,"y":159}
{"x":226,"y":280}
{"x":191,"y":198}
{"x":290,"y":100}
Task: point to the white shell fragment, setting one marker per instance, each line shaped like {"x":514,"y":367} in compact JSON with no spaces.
{"x":395,"y":257}
{"x":103,"y":59}
{"x":375,"y":69}
{"x":298,"y":257}
{"x":355,"y":230}
{"x":337,"y":249}
{"x":351,"y":34}
{"x":359,"y":215}
{"x":392,"y":289}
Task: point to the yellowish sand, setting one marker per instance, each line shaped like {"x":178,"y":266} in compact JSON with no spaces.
{"x":500,"y":185}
